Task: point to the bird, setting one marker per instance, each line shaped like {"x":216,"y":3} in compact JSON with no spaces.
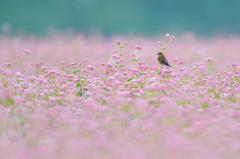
{"x":162,"y":59}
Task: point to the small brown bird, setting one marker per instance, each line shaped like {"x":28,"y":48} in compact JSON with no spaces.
{"x":162,"y":59}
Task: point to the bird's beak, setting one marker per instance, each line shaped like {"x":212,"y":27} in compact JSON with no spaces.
{"x":157,"y":54}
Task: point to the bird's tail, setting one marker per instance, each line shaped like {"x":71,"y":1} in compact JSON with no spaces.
{"x":167,"y":64}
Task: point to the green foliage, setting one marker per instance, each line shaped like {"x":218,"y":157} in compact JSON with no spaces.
{"x":213,"y":91}
{"x":126,"y":108}
{"x":150,"y":94}
{"x":53,"y":76}
{"x":158,"y":72}
{"x":135,"y":60}
{"x":78,"y":84}
{"x":204,"y":106}
{"x":59,"y":102}
{"x":138,"y":115}
{"x":55,"y":91}
{"x":128,"y":80}
{"x":81,"y":77}
{"x":196,"y":84}
{"x":9,"y":101}
{"x":32,"y":96}
{"x":79,"y":93}
{"x":46,"y":98}
{"x":232,"y":99}
{"x":5,"y":84}
{"x":102,"y":101}
{"x":236,"y":79}
{"x":76,"y":71}
{"x":183,"y":102}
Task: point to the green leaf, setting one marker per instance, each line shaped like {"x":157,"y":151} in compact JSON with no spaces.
{"x":102,"y":101}
{"x":196,"y":84}
{"x":56,"y":92}
{"x":126,"y":108}
{"x":213,"y":91}
{"x":78,"y":84}
{"x":150,"y":94}
{"x":79,"y":94}
{"x":138,"y":115}
{"x":135,"y":60}
{"x":76,"y":71}
{"x":182,"y":102}
{"x":134,"y":86}
{"x":120,"y":65}
{"x":59,"y":102}
{"x":128,"y":80}
{"x":204,"y":105}
{"x":81,"y":77}
{"x":32,"y":96}
{"x":9,"y":101}
{"x":142,"y":84}
{"x":236,"y":79}
{"x":84,"y":83}
{"x":233,"y":99}
{"x":158,"y":72}
{"x":53,"y":76}
{"x":139,"y":74}
{"x":46,"y":98}
{"x":5,"y":84}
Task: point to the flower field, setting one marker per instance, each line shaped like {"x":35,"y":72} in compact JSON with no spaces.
{"x":78,"y":97}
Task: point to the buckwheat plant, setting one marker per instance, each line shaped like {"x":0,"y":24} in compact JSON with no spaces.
{"x":84,"y":101}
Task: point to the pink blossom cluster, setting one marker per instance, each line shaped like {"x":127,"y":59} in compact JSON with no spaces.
{"x":74,"y":97}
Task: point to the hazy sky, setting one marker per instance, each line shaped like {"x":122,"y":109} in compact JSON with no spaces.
{"x":121,"y":17}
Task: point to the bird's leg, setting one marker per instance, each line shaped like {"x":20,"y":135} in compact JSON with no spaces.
{"x":161,"y":69}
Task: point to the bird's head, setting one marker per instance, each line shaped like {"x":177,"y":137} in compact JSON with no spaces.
{"x":159,"y":53}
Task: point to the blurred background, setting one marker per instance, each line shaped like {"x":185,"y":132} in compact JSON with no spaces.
{"x":110,"y":17}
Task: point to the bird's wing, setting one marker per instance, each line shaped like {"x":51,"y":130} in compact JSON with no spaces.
{"x":163,"y":59}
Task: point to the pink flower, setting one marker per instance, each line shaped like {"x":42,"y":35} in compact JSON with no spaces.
{"x":62,"y":62}
{"x":159,"y":43}
{"x":8,"y":65}
{"x":141,"y":63}
{"x":179,"y":62}
{"x":138,"y":47}
{"x":172,"y":37}
{"x":115,"y":57}
{"x":90,"y":67}
{"x":210,"y":59}
{"x":27,"y":51}
{"x":234,"y":65}
{"x":19,"y":75}
{"x":72,"y":64}
{"x":118,"y":42}
{"x":109,"y":65}
{"x":44,"y":68}
{"x":167,"y":36}
{"x":37,"y":65}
